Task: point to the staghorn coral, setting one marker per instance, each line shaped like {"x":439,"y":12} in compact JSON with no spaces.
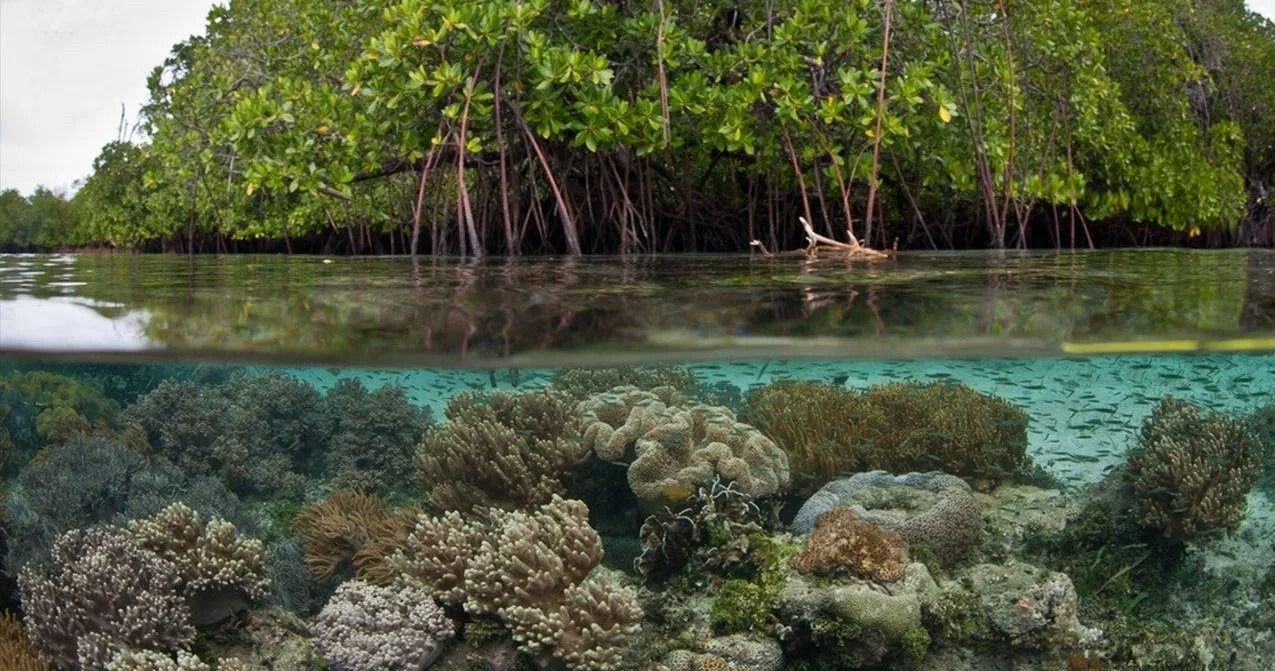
{"x":1192,"y":470}
{"x":614,"y":420}
{"x":714,"y":525}
{"x":373,"y":437}
{"x":260,"y":434}
{"x":367,"y":627}
{"x":501,"y":450}
{"x":582,"y":383}
{"x":529,"y":567}
{"x":219,"y":571}
{"x":352,"y":530}
{"x":16,"y":653}
{"x":698,"y":444}
{"x":843,"y":543}
{"x":104,"y":591}
{"x":932,"y":510}
{"x":828,"y":431}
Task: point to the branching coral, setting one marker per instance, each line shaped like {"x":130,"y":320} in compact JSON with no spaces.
{"x":104,"y":590}
{"x":219,"y":571}
{"x":843,"y":543}
{"x":352,"y":530}
{"x":934,"y":510}
{"x":529,"y":567}
{"x":16,"y":653}
{"x":367,"y":627}
{"x":374,"y":436}
{"x":1192,"y":470}
{"x":261,"y":434}
{"x":699,"y":444}
{"x":714,"y":525}
{"x":905,"y":426}
{"x":501,"y":450}
{"x":614,"y":420}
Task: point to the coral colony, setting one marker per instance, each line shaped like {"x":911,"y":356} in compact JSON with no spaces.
{"x":615,"y":519}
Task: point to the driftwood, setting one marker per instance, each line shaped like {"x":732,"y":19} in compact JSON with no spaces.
{"x":816,"y":243}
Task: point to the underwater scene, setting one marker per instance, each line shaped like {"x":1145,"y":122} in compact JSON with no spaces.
{"x":952,"y":462}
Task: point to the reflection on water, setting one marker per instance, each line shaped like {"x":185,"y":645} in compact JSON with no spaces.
{"x":611,"y":309}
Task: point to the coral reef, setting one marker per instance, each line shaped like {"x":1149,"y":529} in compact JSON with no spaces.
{"x":293,"y":586}
{"x":16,"y":653}
{"x":931,"y":510}
{"x":533,"y":569}
{"x":373,"y":437}
{"x":699,"y":444}
{"x":367,"y":627}
{"x":41,"y":407}
{"x":1014,"y":604}
{"x":903,"y":426}
{"x":260,"y":434}
{"x":1191,"y":471}
{"x":843,"y":543}
{"x":614,"y":420}
{"x":501,"y":450}
{"x":582,"y":383}
{"x":264,"y":638}
{"x":89,"y":481}
{"x":349,"y":531}
{"x":104,"y":591}
{"x":220,"y":572}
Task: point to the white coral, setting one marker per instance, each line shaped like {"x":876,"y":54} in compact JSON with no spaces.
{"x":365,"y":627}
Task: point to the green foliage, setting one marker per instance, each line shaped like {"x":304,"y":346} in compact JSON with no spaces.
{"x":538,"y":124}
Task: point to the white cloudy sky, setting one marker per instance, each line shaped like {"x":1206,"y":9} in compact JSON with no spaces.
{"x":67,"y":65}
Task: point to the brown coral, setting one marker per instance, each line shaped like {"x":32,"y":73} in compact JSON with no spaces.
{"x":581,"y":383}
{"x":614,"y":420}
{"x":699,"y":444}
{"x":843,"y":543}
{"x":501,"y":450}
{"x":349,"y":529}
{"x":16,"y":653}
{"x":1192,"y":471}
{"x":220,"y":572}
{"x":903,"y":426}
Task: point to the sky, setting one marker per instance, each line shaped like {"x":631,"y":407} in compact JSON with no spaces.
{"x":66,"y":66}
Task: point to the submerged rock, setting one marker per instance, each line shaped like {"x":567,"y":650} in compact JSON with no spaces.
{"x":1015,"y":604}
{"x":932,"y":510}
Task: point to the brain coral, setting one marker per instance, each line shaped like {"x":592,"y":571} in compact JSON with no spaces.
{"x":614,"y":420}
{"x":367,"y":627}
{"x":220,"y":572}
{"x":933,"y":510}
{"x":104,"y":590}
{"x":699,"y":444}
{"x":501,"y":450}
{"x":1192,"y":470}
{"x":903,"y":426}
{"x":843,"y":543}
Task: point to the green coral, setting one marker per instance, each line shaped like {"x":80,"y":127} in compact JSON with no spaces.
{"x":748,"y":603}
{"x":828,"y":430}
{"x":39,"y":408}
{"x":1191,"y":471}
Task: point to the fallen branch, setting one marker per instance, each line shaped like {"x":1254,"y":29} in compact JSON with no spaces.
{"x":816,"y":243}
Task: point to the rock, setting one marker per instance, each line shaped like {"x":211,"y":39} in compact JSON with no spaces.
{"x":269,"y":638}
{"x":748,"y":653}
{"x":1019,"y":605}
{"x":932,"y":510}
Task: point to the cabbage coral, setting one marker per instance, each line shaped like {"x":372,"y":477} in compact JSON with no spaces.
{"x":1192,"y":470}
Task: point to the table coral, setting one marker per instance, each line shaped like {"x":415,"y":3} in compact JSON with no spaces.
{"x":843,"y":543}
{"x":354,"y":530}
{"x":699,"y":444}
{"x":104,"y":589}
{"x":1192,"y":470}
{"x":367,"y":627}
{"x":501,"y":450}
{"x":934,"y":510}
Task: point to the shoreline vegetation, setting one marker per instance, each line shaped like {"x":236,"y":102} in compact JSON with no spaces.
{"x":487,"y":127}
